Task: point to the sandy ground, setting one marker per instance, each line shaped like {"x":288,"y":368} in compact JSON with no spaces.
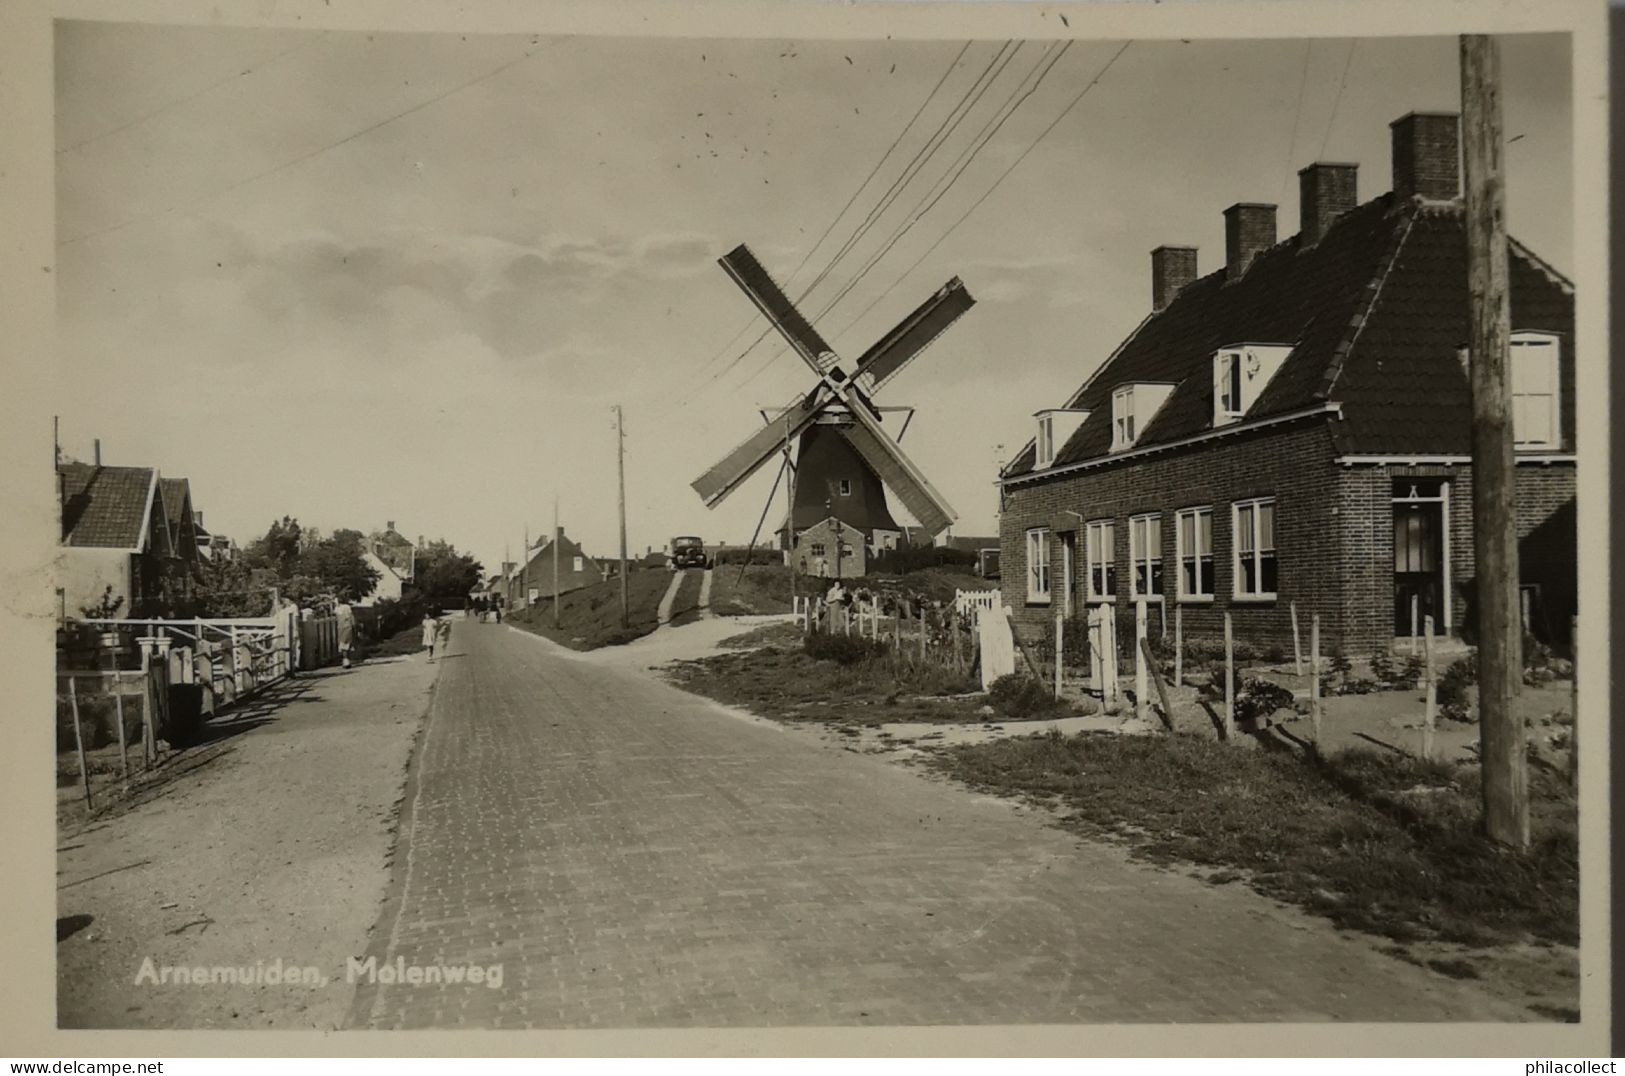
{"x":269,"y":846}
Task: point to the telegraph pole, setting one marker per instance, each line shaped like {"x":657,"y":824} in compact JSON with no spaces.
{"x":524,"y":571}
{"x":790,"y":513}
{"x":1495,"y":531}
{"x":555,"y":560}
{"x":620,"y":473}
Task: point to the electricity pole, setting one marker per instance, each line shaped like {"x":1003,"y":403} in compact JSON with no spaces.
{"x":556,"y":533}
{"x":790,"y":513}
{"x":1495,"y":531}
{"x":524,"y":571}
{"x":620,"y":473}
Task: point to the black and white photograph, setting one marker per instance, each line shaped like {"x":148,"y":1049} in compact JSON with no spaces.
{"x":886,"y":528}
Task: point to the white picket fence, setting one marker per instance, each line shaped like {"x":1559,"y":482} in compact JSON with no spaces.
{"x":968,"y":603}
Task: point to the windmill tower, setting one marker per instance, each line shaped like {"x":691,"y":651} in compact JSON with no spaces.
{"x":845,"y":461}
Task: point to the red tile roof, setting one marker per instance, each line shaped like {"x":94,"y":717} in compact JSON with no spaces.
{"x":106,"y":507}
{"x":1376,"y":310}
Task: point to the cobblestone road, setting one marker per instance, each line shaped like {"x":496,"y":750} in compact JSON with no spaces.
{"x":635,"y":857}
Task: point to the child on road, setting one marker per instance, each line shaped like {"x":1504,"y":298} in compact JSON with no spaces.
{"x":431,"y":632}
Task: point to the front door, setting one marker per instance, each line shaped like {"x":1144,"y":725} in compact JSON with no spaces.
{"x":1418,"y":558}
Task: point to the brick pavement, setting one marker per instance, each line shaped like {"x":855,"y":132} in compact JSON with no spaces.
{"x":635,"y":857}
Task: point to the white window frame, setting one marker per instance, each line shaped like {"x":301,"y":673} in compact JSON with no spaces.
{"x":1227,"y":373}
{"x":1523,"y":344}
{"x":846,"y":487}
{"x":1046,"y":440}
{"x":1038,"y":581}
{"x":1237,"y":576}
{"x":1195,"y":512}
{"x":1123,"y":431}
{"x":580,"y":564}
{"x":1100,"y":534}
{"x":1137,"y":527}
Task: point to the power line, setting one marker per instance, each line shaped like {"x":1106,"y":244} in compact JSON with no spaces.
{"x":996,"y":183}
{"x":1297,"y":115}
{"x":837,"y":218}
{"x":991,"y":128}
{"x":1337,"y":100}
{"x":420,"y":106}
{"x":931,"y":146}
{"x":178,"y":102}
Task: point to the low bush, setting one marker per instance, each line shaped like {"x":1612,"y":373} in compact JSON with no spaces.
{"x":842,"y":649}
{"x":919,"y":558}
{"x":1457,"y":678}
{"x":1259,"y":699}
{"x":1022,"y":697}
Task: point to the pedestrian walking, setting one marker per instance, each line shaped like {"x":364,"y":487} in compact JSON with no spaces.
{"x":431,"y":631}
{"x":346,"y":617}
{"x":445,"y":633}
{"x":497,"y":603}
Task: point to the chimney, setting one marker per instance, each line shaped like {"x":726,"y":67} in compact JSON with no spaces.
{"x":1249,"y":228}
{"x":420,"y":541}
{"x":1426,"y":152}
{"x":1325,"y":192}
{"x":197,"y":519}
{"x":390,"y":525}
{"x":1171,"y":269}
{"x":558,"y":532}
{"x":98,"y":450}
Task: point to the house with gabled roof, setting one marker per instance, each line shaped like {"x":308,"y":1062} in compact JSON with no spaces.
{"x":1294,"y":429}
{"x":534,"y":575}
{"x":116,"y":538}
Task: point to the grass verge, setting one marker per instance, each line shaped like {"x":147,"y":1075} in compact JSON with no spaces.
{"x":1375,"y":843}
{"x":591,"y":617}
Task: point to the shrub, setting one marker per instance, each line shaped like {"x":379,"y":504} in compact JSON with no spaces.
{"x":918,"y":558}
{"x":1258,"y":699}
{"x":842,"y":649}
{"x":1339,"y":664}
{"x":1382,"y":667}
{"x":1356,"y":686}
{"x":1413,"y":670}
{"x":1457,"y":678}
{"x":1018,"y":696}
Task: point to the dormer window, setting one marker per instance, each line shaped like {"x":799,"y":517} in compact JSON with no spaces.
{"x":1240,"y":373}
{"x":1055,"y":427}
{"x":1122,"y":418}
{"x":1133,"y":407}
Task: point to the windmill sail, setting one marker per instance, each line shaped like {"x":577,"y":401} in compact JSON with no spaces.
{"x":776,"y":306}
{"x":898,"y":472}
{"x":757,"y":449}
{"x":915,"y":332}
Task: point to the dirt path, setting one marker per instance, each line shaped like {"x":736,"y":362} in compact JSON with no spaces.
{"x":268,"y":846}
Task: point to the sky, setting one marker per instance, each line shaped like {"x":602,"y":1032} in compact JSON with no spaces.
{"x":356,"y":278}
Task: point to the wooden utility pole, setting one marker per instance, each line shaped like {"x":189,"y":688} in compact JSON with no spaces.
{"x":1495,"y":533}
{"x":556,"y":533}
{"x":620,"y":472}
{"x":790,"y":512}
{"x":524,"y":571}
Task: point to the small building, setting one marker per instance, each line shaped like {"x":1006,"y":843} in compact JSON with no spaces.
{"x":533,"y":579}
{"x":1292,"y":431}
{"x":395,"y":550}
{"x":831,"y":549}
{"x":116,"y":540}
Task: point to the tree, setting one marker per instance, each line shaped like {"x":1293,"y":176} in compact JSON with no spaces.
{"x":444,"y":576}
{"x":338,"y":563}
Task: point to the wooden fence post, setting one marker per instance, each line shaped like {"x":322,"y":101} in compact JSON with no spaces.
{"x":1314,"y":675}
{"x":959,"y":641}
{"x":149,"y":735}
{"x":1140,"y":652}
{"x":1229,"y":680}
{"x":1431,"y":690}
{"x":79,"y":739}
{"x":1179,"y":646}
{"x":1415,"y":608}
{"x":123,"y":749}
{"x":1297,"y":648}
{"x":922,"y":633}
{"x":1162,"y":689}
{"x":1060,"y":649}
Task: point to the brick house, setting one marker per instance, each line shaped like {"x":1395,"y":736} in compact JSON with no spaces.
{"x":832,"y":549}
{"x":576,"y":570}
{"x":1294,"y":428}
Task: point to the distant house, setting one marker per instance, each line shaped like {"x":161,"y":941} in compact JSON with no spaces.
{"x":1293,"y":430}
{"x":394,"y":550}
{"x":389,"y":586}
{"x":533,"y":579}
{"x":210,"y":546}
{"x":831,"y":549}
{"x":115,"y":534}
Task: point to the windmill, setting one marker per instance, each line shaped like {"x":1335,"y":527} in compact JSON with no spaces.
{"x":845,"y":458}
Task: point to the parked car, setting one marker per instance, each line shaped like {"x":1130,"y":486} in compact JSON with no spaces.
{"x":687,"y":552}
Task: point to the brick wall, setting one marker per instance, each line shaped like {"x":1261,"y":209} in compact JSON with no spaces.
{"x":1334,"y":538}
{"x":1293,"y":464}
